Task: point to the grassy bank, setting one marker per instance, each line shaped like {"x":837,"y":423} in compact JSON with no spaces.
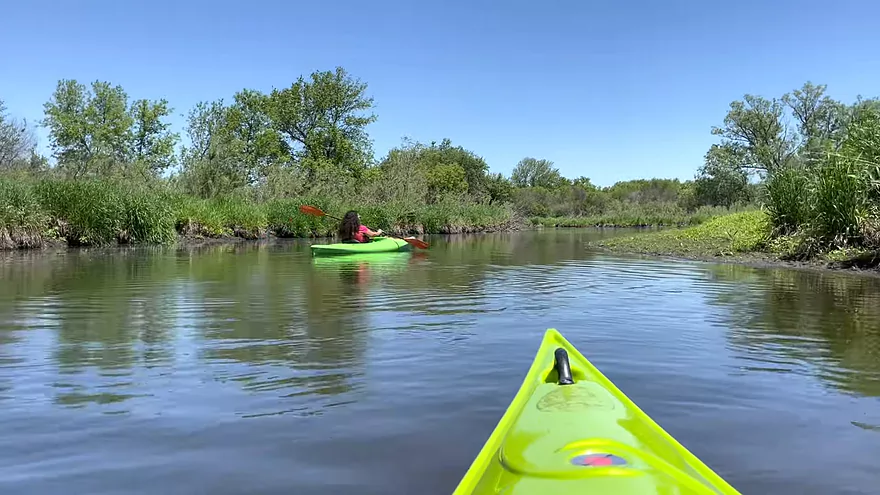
{"x":661,"y":215}
{"x":101,"y":212}
{"x":745,"y":232}
{"x":746,"y":236}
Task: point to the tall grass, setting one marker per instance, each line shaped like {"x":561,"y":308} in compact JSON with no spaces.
{"x":148,"y":217}
{"x":831,"y":205}
{"x":840,"y":201}
{"x":85,"y":212}
{"x":100,"y":212}
{"x":285,"y":220}
{"x":788,"y":199}
{"x":22,"y":220}
{"x":658,"y":215}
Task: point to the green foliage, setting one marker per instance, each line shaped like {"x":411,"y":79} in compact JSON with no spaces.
{"x":646,"y":191}
{"x":17,"y":142}
{"x":833,"y":202}
{"x":822,"y":187}
{"x":94,"y":133}
{"x":499,"y":188}
{"x":862,"y":141}
{"x":89,"y":128}
{"x":531,"y":172}
{"x":840,"y":201}
{"x":197,"y":217}
{"x":754,"y":135}
{"x":22,"y":220}
{"x":416,"y":173}
{"x":788,"y":199}
{"x":147,"y":218}
{"x":88,"y":212}
{"x":241,"y":217}
{"x":446,"y":180}
{"x":721,"y":236}
{"x":635,"y":216}
{"x":323,"y":119}
{"x":447,"y":156}
{"x":720,"y":182}
{"x":152,"y":142}
{"x":452,"y":217}
{"x":311,"y":135}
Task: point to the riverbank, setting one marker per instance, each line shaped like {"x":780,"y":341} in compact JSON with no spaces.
{"x":40,"y":213}
{"x":742,"y":238}
{"x":658,"y":215}
{"x":36,"y":213}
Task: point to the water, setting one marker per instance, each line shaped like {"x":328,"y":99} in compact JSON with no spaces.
{"x":253,"y":368}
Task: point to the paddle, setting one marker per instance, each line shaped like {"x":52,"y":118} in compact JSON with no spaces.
{"x":316,"y":212}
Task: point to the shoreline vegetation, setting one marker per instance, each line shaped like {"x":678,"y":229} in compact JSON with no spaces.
{"x":119,"y":174}
{"x":795,"y":179}
{"x":820,"y":186}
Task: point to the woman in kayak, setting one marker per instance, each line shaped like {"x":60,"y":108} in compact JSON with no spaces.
{"x":351,"y":229}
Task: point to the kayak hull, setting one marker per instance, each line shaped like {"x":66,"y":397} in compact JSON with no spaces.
{"x":377,"y":245}
{"x":581,"y":437}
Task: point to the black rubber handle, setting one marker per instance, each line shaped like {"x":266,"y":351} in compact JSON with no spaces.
{"x":563,"y":367}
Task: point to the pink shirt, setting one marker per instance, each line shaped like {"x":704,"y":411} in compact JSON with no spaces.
{"x":361,"y":235}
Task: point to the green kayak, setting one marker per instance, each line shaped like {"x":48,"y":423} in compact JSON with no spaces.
{"x":570,"y":431}
{"x":377,"y":245}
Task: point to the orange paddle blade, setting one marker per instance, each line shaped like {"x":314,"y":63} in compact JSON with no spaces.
{"x":417,"y":243}
{"x":311,"y":210}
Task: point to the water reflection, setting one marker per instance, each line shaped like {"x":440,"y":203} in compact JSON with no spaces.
{"x":325,"y":360}
{"x":798,"y":321}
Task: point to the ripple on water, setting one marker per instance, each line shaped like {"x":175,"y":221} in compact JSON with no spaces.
{"x":302,"y":376}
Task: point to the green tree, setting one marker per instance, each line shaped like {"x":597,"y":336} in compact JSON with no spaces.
{"x":645,"y":191}
{"x":821,"y":121}
{"x":211,"y":164}
{"x":531,"y":172}
{"x":584,"y":183}
{"x":17,"y":142}
{"x":444,"y":180}
{"x":863,"y":136}
{"x":475,"y":168}
{"x":753,"y":132}
{"x":721,"y":181}
{"x":323,"y":120}
{"x":499,"y":188}
{"x":204,"y":122}
{"x":152,"y":139}
{"x":89,"y":128}
{"x":400,"y":175}
{"x":248,"y":129}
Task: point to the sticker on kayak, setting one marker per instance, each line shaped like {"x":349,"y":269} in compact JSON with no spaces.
{"x":598,"y":460}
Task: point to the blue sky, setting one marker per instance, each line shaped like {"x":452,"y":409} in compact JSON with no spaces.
{"x":609,"y":90}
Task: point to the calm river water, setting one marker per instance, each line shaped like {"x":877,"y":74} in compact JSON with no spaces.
{"x":254,"y":368}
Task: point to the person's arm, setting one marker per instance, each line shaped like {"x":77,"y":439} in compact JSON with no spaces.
{"x":366,"y":230}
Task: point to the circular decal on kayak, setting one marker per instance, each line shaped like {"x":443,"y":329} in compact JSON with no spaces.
{"x":598,"y":460}
{"x":574,"y":398}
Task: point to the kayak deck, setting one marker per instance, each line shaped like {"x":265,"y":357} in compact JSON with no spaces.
{"x":377,"y":245}
{"x":582,"y":437}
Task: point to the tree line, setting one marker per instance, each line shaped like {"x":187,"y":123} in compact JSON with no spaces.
{"x":817,"y":160}
{"x":311,"y":138}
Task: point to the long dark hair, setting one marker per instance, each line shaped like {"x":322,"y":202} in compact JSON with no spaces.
{"x":349,"y":226}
